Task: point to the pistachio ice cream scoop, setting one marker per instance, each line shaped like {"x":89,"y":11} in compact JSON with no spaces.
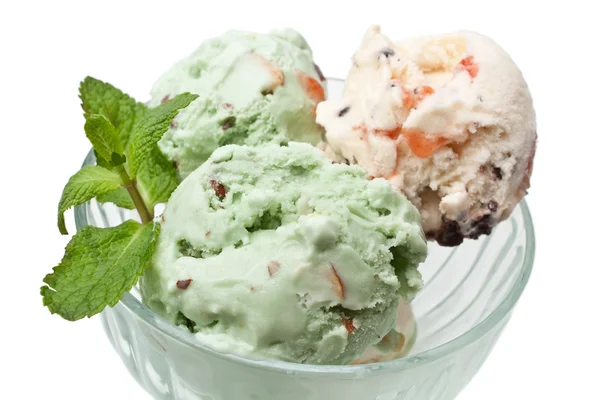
{"x":274,"y":252}
{"x":253,"y":89}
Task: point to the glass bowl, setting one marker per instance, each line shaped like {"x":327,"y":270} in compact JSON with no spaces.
{"x":469,"y":294}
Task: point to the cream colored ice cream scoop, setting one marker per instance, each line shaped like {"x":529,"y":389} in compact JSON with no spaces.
{"x":447,"y":119}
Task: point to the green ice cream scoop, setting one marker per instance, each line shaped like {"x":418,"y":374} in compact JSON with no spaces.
{"x":274,"y":252}
{"x":253,"y":88}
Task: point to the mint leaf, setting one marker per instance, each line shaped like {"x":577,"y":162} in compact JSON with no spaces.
{"x":152,"y":126}
{"x":86,"y":184}
{"x":156,"y":178}
{"x":98,"y":97}
{"x":120,"y":197}
{"x":103,"y":136}
{"x":100,"y":265}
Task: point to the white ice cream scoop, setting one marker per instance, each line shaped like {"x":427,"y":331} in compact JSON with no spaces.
{"x":447,"y":119}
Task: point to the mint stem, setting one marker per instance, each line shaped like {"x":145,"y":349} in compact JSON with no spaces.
{"x":129,"y":184}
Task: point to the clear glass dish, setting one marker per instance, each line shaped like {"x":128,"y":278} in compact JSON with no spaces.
{"x":469,"y":295}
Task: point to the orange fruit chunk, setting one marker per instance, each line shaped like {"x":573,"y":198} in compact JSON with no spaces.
{"x":391,"y":133}
{"x":468,"y":64}
{"x":421,"y":144}
{"x":421,"y":92}
{"x":349,"y":325}
{"x":408,"y":98}
{"x":310,"y":85}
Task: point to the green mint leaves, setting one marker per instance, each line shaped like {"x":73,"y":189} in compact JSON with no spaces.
{"x":103,"y":136}
{"x":135,"y":120}
{"x":101,"y":265}
{"x":104,"y":99}
{"x":157,"y":178}
{"x":119,"y":197}
{"x":124,"y":135}
{"x":87,"y":183}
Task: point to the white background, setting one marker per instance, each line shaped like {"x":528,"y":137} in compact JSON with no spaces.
{"x":550,"y":348}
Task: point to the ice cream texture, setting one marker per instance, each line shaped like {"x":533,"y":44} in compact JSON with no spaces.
{"x":397,"y":343}
{"x":275,"y":252}
{"x":447,"y":119}
{"x":253,"y":88}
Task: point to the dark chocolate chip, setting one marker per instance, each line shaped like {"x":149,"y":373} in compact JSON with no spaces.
{"x":481,"y":226}
{"x":191,"y":325}
{"x":183,"y":284}
{"x":449,"y":234}
{"x":228,"y":123}
{"x":497,"y":171}
{"x":343,"y":161}
{"x":493,"y":206}
{"x":343,"y":111}
{"x":387,"y":52}
{"x":219,"y":189}
{"x":319,"y":72}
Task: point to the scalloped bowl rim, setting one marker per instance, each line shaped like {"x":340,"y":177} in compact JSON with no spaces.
{"x":409,"y":362}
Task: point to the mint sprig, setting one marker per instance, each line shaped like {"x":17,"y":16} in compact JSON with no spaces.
{"x":121,"y":110}
{"x":157,"y":178}
{"x":103,"y":136}
{"x":87,"y":183}
{"x":119,"y":197}
{"x":101,"y":264}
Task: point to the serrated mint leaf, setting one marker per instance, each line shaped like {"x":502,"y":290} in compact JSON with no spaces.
{"x":120,"y":197}
{"x":156,"y":178}
{"x":100,"y":265}
{"x":86,"y":184}
{"x":98,"y":97}
{"x":103,"y":136}
{"x":151,"y":127}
